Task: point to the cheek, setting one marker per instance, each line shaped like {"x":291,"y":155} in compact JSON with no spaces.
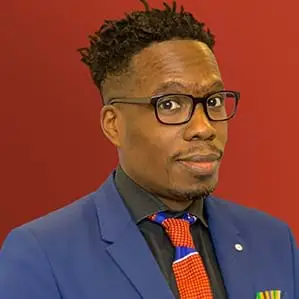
{"x":147,"y":147}
{"x":222,"y":131}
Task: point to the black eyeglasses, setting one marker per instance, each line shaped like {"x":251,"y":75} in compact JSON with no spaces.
{"x":176,"y":109}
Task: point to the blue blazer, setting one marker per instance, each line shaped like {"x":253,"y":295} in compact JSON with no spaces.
{"x":92,"y":249}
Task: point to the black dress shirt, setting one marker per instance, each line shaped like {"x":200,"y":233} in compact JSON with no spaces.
{"x":142,"y":204}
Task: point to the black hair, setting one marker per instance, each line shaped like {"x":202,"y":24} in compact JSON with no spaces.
{"x":117,"y":41}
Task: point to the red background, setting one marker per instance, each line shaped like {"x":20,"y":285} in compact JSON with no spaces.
{"x":52,"y":149}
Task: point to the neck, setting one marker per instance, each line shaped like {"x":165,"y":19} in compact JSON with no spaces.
{"x":176,"y":205}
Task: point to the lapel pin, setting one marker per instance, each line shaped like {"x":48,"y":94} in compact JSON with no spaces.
{"x":239,"y":247}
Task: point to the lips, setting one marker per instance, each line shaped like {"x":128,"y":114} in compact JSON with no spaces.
{"x":200,"y":164}
{"x":200,"y":158}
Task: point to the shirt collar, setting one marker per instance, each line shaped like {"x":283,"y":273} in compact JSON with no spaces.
{"x":142,"y":204}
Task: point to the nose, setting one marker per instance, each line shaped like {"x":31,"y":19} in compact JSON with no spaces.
{"x":199,"y":127}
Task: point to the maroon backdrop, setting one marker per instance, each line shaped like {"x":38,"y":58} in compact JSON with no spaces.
{"x":52,"y":149}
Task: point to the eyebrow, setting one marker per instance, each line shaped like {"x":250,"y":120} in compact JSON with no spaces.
{"x":175,"y":86}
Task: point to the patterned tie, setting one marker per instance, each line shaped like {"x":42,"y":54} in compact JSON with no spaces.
{"x":191,"y":277}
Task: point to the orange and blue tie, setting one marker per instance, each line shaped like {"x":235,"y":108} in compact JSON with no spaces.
{"x":189,"y":271}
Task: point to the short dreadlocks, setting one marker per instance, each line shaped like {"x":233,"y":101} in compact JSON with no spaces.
{"x":117,"y":41}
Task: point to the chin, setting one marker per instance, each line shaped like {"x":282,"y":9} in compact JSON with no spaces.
{"x":198,"y":182}
{"x":200,"y":188}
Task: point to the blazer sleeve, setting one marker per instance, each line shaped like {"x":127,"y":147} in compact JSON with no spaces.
{"x":25,"y":272}
{"x":297,"y":273}
{"x":295,"y":250}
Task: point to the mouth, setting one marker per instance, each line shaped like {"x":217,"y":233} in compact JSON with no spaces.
{"x":200,"y":164}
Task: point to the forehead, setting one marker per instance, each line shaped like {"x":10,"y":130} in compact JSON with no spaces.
{"x":189,"y":63}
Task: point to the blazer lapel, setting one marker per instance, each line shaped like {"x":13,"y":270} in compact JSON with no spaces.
{"x":127,"y":246}
{"x":231,"y":248}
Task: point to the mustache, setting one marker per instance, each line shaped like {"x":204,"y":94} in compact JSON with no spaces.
{"x":200,"y":149}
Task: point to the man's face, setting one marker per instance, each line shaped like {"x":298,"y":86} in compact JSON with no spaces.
{"x":152,"y":153}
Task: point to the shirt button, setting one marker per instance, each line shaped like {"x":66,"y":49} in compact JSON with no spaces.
{"x":239,"y":247}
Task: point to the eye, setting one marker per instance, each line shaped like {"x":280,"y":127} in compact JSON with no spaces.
{"x":170,"y":103}
{"x":215,"y":101}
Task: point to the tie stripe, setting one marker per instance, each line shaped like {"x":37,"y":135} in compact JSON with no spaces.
{"x":183,"y":252}
{"x":184,"y":257}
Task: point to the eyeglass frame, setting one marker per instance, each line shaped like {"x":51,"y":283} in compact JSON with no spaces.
{"x":195,"y":101}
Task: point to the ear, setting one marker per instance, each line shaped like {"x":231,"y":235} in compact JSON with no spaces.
{"x":110,"y":123}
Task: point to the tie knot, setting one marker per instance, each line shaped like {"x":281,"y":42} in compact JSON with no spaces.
{"x":178,"y":229}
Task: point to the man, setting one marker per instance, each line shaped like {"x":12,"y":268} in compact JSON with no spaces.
{"x":153,"y":229}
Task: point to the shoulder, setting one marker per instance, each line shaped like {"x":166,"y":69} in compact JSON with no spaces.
{"x":247,"y":216}
{"x":68,"y":223}
{"x":38,"y":250}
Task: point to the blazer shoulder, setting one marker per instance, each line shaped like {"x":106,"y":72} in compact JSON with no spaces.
{"x":249,"y":215}
{"x":63,"y":223}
